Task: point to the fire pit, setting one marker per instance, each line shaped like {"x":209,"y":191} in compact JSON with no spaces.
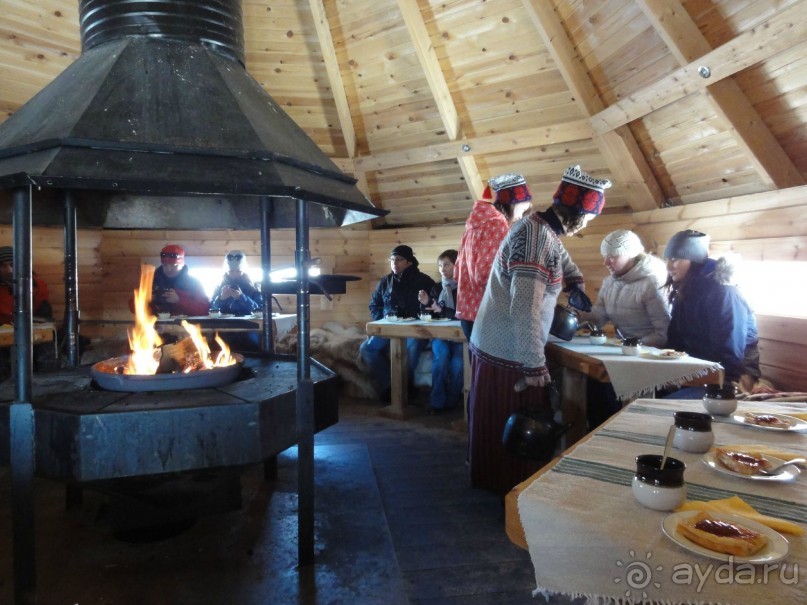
{"x":152,"y":366}
{"x":85,"y":434}
{"x":108,"y":375}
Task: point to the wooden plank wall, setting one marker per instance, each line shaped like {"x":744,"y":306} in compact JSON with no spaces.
{"x":109,"y":261}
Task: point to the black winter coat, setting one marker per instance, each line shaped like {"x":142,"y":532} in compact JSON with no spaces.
{"x":399,"y":294}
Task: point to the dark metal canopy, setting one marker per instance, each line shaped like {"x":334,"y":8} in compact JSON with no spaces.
{"x":158,"y":125}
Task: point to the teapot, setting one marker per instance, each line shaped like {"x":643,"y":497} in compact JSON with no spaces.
{"x":564,"y":323}
{"x":533,"y":434}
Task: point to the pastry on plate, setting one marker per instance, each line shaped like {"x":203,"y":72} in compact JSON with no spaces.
{"x":745,"y":463}
{"x":766,"y":420}
{"x":722,"y":536}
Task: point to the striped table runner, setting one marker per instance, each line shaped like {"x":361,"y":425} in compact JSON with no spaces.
{"x":588,"y":536}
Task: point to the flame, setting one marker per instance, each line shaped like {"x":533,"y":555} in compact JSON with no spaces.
{"x":145,"y":341}
{"x":143,"y":338}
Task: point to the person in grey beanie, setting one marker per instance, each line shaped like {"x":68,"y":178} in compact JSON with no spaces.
{"x":710,"y":317}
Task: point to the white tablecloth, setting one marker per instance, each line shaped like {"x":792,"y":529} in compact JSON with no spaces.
{"x":634,"y":376}
{"x":588,"y":536}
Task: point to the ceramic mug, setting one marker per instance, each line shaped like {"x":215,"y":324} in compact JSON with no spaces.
{"x":597,"y":337}
{"x":693,"y":432}
{"x":659,"y":488}
{"x":720,"y":400}
{"x":631,"y":346}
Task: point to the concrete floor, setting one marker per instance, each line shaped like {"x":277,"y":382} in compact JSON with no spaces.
{"x":396,"y":523}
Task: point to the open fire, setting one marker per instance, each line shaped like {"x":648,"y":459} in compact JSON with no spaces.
{"x":150,"y":356}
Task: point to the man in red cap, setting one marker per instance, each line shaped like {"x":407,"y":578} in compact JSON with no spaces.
{"x":174,"y":291}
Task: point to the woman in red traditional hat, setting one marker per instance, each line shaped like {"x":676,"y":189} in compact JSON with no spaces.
{"x":485,"y":229}
{"x":512,"y":326}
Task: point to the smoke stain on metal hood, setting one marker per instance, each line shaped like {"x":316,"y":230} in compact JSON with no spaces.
{"x":155,"y":131}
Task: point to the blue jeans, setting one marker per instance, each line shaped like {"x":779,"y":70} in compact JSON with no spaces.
{"x":687,"y":393}
{"x":446,"y":374}
{"x":374,"y":354}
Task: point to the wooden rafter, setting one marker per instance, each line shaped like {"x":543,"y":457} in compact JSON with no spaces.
{"x":619,"y":149}
{"x":779,"y":33}
{"x":686,"y":42}
{"x":494,"y":143}
{"x":334,"y":74}
{"x":439,"y":89}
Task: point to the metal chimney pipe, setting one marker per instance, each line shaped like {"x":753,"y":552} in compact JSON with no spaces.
{"x":217,"y":24}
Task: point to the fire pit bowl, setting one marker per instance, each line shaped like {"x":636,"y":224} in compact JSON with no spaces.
{"x":105,"y":375}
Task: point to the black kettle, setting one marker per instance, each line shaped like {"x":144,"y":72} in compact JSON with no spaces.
{"x":564,"y":323}
{"x":533,"y":434}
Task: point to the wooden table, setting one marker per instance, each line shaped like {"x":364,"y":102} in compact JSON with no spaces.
{"x":397,"y":332}
{"x":281,"y":323}
{"x":42,"y":332}
{"x":579,"y":513}
{"x":576,"y":367}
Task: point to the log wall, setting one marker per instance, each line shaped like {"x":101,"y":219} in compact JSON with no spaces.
{"x":109,"y":262}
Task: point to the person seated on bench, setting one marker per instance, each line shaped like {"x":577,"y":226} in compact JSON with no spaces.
{"x":395,"y":294}
{"x":441,"y":303}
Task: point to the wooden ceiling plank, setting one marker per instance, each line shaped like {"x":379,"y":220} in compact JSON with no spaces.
{"x":782,"y":31}
{"x":625,"y":161}
{"x":334,"y":74}
{"x":687,"y":43}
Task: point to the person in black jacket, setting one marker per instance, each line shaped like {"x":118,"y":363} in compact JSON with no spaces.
{"x":396,"y":294}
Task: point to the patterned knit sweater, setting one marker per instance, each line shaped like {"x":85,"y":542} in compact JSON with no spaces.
{"x":514,"y":318}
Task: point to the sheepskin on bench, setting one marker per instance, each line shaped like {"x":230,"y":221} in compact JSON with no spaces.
{"x":337,"y":348}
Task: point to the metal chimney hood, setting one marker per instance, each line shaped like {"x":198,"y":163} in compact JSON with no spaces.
{"x":159,"y":125}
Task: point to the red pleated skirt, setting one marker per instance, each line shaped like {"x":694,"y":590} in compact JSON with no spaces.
{"x":491,"y":401}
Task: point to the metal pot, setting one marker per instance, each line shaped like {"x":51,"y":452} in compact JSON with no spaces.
{"x":564,"y":323}
{"x":533,"y":434}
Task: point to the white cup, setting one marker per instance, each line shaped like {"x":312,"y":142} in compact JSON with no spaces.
{"x":164,"y":315}
{"x":425,"y":317}
{"x":693,"y":432}
{"x":656,"y":488}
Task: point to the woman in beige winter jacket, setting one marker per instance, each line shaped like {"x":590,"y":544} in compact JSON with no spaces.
{"x":631,"y":296}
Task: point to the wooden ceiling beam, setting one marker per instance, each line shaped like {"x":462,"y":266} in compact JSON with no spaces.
{"x":431,"y":66}
{"x":619,"y":149}
{"x":782,"y":31}
{"x":334,"y":74}
{"x":578,"y":130}
{"x":439,"y":89}
{"x":686,"y":42}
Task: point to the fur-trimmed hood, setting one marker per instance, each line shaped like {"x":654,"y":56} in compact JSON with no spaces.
{"x":723,"y":270}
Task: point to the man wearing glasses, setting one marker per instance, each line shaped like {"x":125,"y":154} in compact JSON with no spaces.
{"x":174,"y":291}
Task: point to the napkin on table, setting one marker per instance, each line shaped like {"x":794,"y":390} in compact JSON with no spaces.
{"x":737,"y":506}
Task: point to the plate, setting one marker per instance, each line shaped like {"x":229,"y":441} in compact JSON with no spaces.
{"x":788,"y":473}
{"x":776,"y":549}
{"x":665,"y":354}
{"x":796,"y":424}
{"x":402,"y":320}
{"x":438,"y":319}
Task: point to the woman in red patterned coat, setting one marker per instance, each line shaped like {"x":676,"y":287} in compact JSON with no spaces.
{"x":485,"y":229}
